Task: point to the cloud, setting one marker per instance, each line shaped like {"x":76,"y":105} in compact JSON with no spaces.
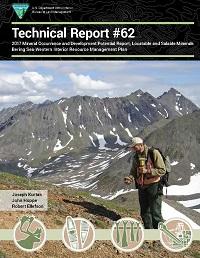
{"x":40,"y":80}
{"x":33,"y":86}
{"x":34,"y":80}
{"x":85,"y":82}
{"x":23,"y":82}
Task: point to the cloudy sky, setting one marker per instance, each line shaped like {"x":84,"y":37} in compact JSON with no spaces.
{"x":37,"y":81}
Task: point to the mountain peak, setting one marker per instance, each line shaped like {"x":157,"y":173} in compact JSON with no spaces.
{"x":46,"y":102}
{"x":171,"y":91}
{"x":25,"y":104}
{"x":173,"y":99}
{"x":137,"y":93}
{"x":174,"y":91}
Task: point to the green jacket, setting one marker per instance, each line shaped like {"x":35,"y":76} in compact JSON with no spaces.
{"x":156,"y":169}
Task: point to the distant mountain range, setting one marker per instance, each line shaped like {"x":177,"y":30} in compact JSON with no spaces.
{"x":36,"y":132}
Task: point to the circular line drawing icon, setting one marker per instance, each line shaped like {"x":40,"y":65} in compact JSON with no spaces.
{"x":127,"y":234}
{"x":29,"y":234}
{"x":175,"y":234}
{"x":78,"y":234}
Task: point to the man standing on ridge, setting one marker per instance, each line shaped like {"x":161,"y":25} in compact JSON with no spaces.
{"x":146,"y":173}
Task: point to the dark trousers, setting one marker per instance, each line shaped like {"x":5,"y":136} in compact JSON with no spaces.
{"x":150,"y":205}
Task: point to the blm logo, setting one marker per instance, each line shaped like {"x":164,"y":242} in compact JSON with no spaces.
{"x":20,"y":9}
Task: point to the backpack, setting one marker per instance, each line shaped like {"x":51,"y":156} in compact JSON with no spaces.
{"x":164,"y":180}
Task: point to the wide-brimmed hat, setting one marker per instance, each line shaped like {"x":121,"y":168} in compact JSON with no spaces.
{"x":135,"y":140}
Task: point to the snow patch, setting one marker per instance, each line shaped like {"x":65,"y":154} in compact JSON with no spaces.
{"x":85,"y":156}
{"x":167,"y":115}
{"x":192,"y":166}
{"x":43,"y":172}
{"x":92,"y":140}
{"x":106,"y":111}
{"x":120,"y":192}
{"x":128,"y":132}
{"x":191,"y":203}
{"x":118,"y":141}
{"x":177,"y":108}
{"x":61,"y":101}
{"x":169,"y":212}
{"x":58,"y":146}
{"x":161,"y":114}
{"x":64,"y":117}
{"x":71,"y":138}
{"x":174,"y":163}
{"x":20,"y":165}
{"x":90,"y":185}
{"x":153,"y":105}
{"x":123,"y":154}
{"x":79,"y":109}
{"x":191,"y":188}
{"x":96,"y":195}
{"x":129,"y":118}
{"x":70,"y":182}
{"x":30,"y":171}
{"x":97,"y":115}
{"x":112,"y":133}
{"x":101,"y":140}
{"x":29,"y":153}
{"x":82,"y":127}
{"x":146,"y":118}
{"x":92,"y":176}
{"x":98,"y":157}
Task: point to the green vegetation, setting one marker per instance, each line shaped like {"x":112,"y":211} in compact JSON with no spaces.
{"x":2,"y":255}
{"x":196,"y":254}
{"x":20,"y":182}
{"x":59,"y":222}
{"x":100,"y":224}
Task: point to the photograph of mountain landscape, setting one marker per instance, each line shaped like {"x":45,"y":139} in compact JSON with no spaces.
{"x":64,"y":126}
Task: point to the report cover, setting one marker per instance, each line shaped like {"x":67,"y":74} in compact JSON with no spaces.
{"x":99,"y":129}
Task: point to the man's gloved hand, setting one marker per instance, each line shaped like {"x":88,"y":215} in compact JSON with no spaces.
{"x":128,"y":180}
